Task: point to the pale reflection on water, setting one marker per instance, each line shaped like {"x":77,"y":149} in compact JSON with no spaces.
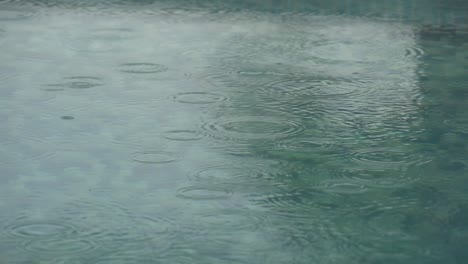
{"x":157,"y":132}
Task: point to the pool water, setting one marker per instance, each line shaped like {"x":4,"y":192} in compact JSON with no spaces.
{"x":233,"y":132}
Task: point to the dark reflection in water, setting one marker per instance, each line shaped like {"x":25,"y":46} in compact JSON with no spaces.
{"x":242,"y":132}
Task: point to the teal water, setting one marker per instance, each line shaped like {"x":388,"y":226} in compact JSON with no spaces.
{"x":323,"y":132}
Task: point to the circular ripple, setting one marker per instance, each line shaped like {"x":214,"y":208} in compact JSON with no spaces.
{"x":74,"y":82}
{"x":327,"y":217}
{"x":223,"y":78}
{"x":314,"y":87}
{"x":133,"y":230}
{"x":300,"y":202}
{"x":84,"y":213}
{"x":415,"y":52}
{"x":95,"y":220}
{"x":304,"y":145}
{"x":30,"y":148}
{"x":342,"y":187}
{"x":253,"y":128}
{"x":385,"y":158}
{"x":142,"y":68}
{"x":239,"y":175}
{"x":153,"y":157}
{"x":158,"y":230}
{"x":60,"y":245}
{"x":203,"y":193}
{"x":234,"y":219}
{"x":304,"y":149}
{"x":110,"y":224}
{"x":82,"y":82}
{"x":26,"y":228}
{"x":356,"y":52}
{"x":183,"y":135}
{"x":199,"y":98}
{"x":214,"y":225}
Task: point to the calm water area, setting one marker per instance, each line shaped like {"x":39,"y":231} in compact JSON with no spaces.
{"x":242,"y":131}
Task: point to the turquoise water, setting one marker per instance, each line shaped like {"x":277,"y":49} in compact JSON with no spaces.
{"x":271,"y":132}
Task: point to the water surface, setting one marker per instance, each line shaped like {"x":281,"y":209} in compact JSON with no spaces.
{"x":239,"y":132}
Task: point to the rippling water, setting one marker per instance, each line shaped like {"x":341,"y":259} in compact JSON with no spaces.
{"x":250,"y":132}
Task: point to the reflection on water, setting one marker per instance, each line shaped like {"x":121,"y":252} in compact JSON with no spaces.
{"x":254,"y":132}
